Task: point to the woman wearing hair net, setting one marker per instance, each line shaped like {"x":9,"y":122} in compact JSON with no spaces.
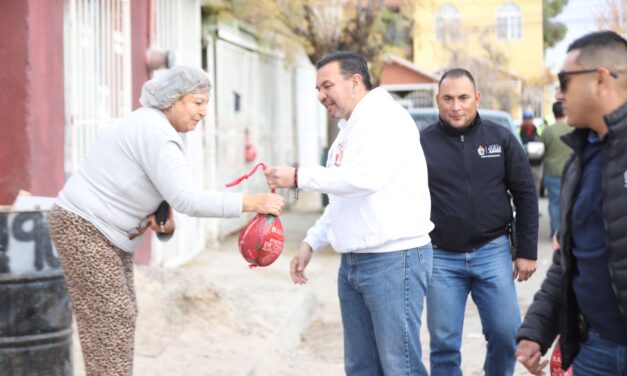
{"x":104,"y":208}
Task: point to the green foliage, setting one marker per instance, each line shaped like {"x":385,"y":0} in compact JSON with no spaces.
{"x":553,"y":31}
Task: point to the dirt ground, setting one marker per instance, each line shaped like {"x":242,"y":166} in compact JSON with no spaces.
{"x":216,"y":317}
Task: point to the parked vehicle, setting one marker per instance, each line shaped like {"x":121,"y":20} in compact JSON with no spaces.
{"x":427,"y":116}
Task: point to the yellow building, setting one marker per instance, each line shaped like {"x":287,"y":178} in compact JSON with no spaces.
{"x":505,"y":36}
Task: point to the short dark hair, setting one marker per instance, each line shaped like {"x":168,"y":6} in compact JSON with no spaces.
{"x":598,"y":39}
{"x":558,"y":110}
{"x":350,"y":63}
{"x":609,"y":44}
{"x":456,"y":73}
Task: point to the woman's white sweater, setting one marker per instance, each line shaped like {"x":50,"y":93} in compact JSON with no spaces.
{"x":130,"y":169}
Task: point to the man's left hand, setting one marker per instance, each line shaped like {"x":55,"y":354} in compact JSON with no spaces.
{"x":280,"y":177}
{"x":524,"y":269}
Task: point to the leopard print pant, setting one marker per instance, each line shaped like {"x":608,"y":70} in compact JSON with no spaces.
{"x":99,"y":278}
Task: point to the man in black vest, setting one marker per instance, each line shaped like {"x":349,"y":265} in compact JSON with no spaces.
{"x":584,"y":295}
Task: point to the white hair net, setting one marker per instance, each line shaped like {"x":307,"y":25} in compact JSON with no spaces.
{"x":164,"y":89}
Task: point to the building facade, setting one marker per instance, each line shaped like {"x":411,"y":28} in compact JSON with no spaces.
{"x":512,"y":27}
{"x":502,"y":37}
{"x":410,"y":85}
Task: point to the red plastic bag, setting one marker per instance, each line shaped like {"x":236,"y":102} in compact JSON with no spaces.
{"x":555,"y":364}
{"x":261,"y":241}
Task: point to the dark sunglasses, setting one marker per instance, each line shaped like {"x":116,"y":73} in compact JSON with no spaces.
{"x":563,"y":76}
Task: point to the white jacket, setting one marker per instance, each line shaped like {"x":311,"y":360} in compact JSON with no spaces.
{"x":376,"y":179}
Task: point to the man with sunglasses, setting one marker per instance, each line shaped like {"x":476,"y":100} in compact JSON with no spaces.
{"x":584,"y":295}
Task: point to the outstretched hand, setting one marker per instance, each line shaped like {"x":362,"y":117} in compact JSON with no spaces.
{"x":280,"y":176}
{"x":263,"y":203}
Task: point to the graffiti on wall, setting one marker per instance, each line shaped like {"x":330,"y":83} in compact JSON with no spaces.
{"x":25,"y":244}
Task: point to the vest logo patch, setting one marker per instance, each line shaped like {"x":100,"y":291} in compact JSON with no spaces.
{"x":490,"y":151}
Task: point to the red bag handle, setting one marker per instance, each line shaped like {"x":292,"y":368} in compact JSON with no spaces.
{"x":242,"y":178}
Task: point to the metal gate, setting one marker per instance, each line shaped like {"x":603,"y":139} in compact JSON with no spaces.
{"x":177,"y":29}
{"x":97,"y":56}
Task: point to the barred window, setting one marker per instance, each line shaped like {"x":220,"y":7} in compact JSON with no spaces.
{"x":447,"y":23}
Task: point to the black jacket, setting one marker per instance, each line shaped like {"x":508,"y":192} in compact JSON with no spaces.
{"x":470,"y":173}
{"x":555,"y":302}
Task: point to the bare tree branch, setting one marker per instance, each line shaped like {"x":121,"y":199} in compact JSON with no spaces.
{"x":322,"y":26}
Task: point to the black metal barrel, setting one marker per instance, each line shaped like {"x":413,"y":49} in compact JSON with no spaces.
{"x":35,"y":313}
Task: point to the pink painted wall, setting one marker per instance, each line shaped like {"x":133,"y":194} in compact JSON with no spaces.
{"x":140,"y":41}
{"x":31,"y":99}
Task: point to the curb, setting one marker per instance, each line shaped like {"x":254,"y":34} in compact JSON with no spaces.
{"x":287,"y":335}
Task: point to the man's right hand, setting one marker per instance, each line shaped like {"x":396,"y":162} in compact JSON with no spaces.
{"x":528,"y":353}
{"x":299,"y":263}
{"x":280,"y":176}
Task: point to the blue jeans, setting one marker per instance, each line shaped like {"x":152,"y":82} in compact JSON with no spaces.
{"x":553,"y":185}
{"x":485,"y":273}
{"x":598,"y":356}
{"x":381,"y":299}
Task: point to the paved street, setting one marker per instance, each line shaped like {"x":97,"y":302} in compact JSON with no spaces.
{"x":215,"y":316}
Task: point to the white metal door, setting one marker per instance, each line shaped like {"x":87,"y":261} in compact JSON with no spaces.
{"x":177,"y":29}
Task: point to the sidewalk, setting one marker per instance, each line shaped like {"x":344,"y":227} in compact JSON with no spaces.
{"x":216,"y":317}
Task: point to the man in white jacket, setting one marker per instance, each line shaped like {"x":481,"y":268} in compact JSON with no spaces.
{"x":377,"y":218}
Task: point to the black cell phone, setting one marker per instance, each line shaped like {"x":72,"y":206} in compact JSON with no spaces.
{"x":162,"y":213}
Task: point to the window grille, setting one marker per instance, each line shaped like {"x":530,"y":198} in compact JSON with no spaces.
{"x":508,"y":22}
{"x":447,"y":24}
{"x":97,"y":71}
